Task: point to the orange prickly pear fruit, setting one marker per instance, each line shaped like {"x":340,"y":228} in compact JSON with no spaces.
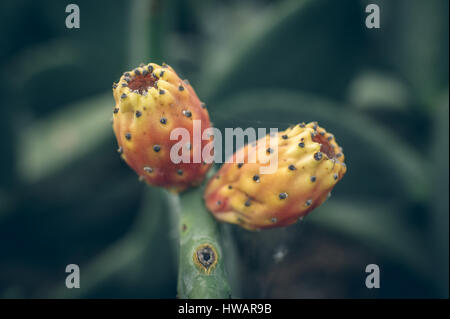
{"x":310,"y":163}
{"x":151,"y":101}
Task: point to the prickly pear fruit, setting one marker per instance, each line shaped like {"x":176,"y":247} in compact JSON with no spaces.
{"x":151,"y":101}
{"x":310,"y":163}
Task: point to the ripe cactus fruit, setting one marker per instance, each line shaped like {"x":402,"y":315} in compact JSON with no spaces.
{"x":151,"y":101}
{"x":310,"y":163}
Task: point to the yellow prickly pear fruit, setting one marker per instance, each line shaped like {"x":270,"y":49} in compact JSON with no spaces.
{"x":151,"y":101}
{"x":310,"y":163}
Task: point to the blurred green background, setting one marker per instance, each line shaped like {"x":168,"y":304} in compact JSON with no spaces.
{"x":66,"y":197}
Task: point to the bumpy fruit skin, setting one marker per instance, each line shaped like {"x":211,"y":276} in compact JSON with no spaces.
{"x":151,"y":101}
{"x":310,"y":163}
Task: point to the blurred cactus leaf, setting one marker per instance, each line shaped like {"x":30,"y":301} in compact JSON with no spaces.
{"x":139,"y":28}
{"x":376,"y":90}
{"x":135,"y":249}
{"x":35,"y":59}
{"x":51,"y":143}
{"x":379,"y":227}
{"x":371,"y":150}
{"x":294,"y":44}
{"x":440,"y":201}
{"x":406,"y":23}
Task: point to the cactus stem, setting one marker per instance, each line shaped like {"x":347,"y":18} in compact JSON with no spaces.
{"x":201,"y":270}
